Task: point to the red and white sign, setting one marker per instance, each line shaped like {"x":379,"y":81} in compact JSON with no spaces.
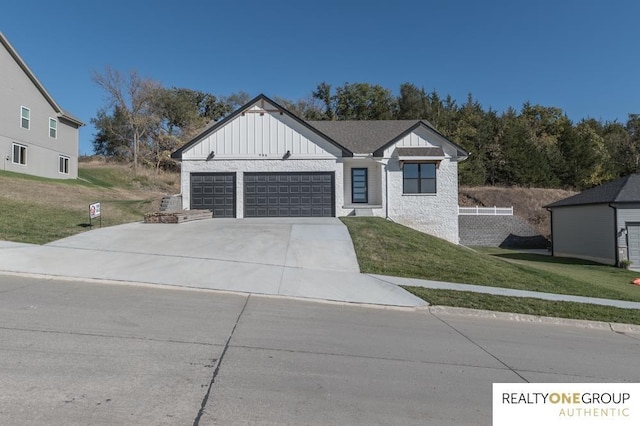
{"x":94,"y":210}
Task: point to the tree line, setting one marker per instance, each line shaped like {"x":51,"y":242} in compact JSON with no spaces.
{"x":535,"y":146}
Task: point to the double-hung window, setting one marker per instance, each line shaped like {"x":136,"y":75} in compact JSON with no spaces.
{"x":419,"y":178}
{"x":19,"y":154}
{"x":53,"y":128}
{"x":25,"y":117}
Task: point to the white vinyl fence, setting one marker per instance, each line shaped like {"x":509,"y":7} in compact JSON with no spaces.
{"x":487,"y":211}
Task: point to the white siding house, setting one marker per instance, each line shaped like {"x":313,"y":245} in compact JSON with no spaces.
{"x":36,"y":136}
{"x":262,"y":160}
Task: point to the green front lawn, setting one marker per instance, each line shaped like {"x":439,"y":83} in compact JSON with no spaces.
{"x":387,"y":248}
{"x":528,"y":306}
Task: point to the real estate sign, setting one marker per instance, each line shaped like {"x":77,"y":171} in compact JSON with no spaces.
{"x":94,"y":210}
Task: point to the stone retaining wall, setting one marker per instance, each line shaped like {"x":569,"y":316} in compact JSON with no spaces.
{"x":499,"y":231}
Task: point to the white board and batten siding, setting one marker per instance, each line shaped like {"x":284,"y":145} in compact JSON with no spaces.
{"x":262,"y":134}
{"x":585,"y":232}
{"x":422,"y":137}
{"x":257,"y":141}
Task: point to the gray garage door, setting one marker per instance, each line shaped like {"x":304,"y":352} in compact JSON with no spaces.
{"x":294,"y":194}
{"x":215,"y":192}
{"x":633,"y":237}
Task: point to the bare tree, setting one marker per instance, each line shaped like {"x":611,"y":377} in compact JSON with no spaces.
{"x":134,"y":97}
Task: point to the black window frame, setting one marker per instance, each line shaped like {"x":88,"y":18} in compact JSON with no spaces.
{"x":366,"y":185}
{"x":21,"y":157}
{"x":63,"y":164}
{"x":421,"y":176}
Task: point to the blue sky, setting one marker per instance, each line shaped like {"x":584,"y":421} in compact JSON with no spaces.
{"x":581,"y":56}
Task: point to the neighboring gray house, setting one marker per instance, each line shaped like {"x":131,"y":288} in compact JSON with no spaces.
{"x":263,"y":161}
{"x":36,"y":136}
{"x":601,"y":224}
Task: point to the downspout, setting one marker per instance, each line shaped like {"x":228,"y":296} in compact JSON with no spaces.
{"x":551,"y":220}
{"x":386,"y":191}
{"x":616,"y":249}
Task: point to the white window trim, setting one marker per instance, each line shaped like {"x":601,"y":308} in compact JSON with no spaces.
{"x":13,"y":159}
{"x":54,"y":128}
{"x":28,"y":119}
{"x":60,"y":157}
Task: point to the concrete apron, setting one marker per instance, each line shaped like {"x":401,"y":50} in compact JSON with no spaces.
{"x":300,"y":257}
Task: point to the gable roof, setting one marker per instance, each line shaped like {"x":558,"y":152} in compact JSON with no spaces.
{"x":23,"y":65}
{"x":351,"y":136}
{"x":623,"y":190}
{"x":177,"y":154}
{"x":374,"y":136}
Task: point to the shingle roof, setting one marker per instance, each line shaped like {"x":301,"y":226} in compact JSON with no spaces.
{"x":364,"y":136}
{"x":420,"y":151}
{"x":359,"y":137}
{"x":623,"y":190}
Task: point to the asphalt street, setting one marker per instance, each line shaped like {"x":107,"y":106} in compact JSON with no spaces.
{"x":74,"y":352}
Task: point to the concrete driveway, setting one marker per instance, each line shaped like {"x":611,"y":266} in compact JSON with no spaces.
{"x":300,"y":257}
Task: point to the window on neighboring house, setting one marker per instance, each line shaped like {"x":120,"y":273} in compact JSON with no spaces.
{"x":419,"y":178}
{"x":359,"y":186}
{"x":53,"y":128}
{"x":25,"y":117}
{"x":19,"y":154}
{"x":64,"y":165}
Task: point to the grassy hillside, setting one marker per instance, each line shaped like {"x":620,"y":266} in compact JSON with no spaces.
{"x":384,"y":247}
{"x":528,"y":203}
{"x":38,"y":210}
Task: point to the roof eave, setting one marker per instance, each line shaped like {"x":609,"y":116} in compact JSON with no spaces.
{"x":22,"y":64}
{"x":421,"y":123}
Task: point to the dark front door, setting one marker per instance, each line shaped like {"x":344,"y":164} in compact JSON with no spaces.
{"x":359,"y":191}
{"x":215,"y":192}
{"x":289,"y":194}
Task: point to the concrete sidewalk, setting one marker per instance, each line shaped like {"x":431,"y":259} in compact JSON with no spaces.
{"x":499,"y":291}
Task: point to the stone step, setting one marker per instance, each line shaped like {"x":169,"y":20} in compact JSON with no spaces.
{"x":177,"y":217}
{"x":364,"y":212}
{"x":171,"y":203}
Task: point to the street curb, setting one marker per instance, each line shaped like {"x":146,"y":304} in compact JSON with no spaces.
{"x":478,"y":313}
{"x":435,"y":310}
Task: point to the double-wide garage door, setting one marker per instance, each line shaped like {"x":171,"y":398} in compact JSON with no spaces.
{"x":272,"y":194}
{"x":292,"y":194}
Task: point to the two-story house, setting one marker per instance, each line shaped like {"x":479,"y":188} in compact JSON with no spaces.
{"x":37,"y":137}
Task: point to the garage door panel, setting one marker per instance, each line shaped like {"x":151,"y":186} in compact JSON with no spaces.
{"x":290,"y":194}
{"x":633,"y":238}
{"x":215,"y":192}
